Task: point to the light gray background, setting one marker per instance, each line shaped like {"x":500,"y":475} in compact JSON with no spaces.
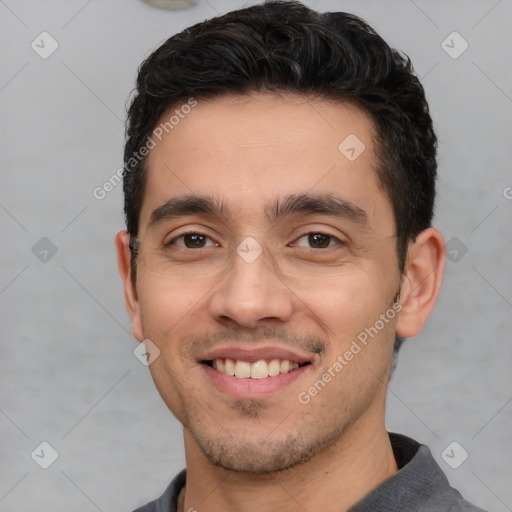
{"x":68,"y":373}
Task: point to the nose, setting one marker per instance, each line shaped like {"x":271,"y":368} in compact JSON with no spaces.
{"x":251,"y":294}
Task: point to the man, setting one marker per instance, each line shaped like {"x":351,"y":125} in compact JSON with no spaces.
{"x":279,"y":189}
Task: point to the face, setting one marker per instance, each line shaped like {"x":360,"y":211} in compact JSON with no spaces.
{"x":284,"y":267}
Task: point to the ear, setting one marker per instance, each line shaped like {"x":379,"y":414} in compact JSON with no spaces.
{"x":130,"y":293}
{"x":421,"y":282}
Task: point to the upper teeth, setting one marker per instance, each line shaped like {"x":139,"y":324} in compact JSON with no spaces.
{"x":257,"y":370}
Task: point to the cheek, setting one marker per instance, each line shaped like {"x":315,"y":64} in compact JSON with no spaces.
{"x":347,"y":305}
{"x":169,"y":310}
{"x":359,"y":339}
{"x":168,"y":304}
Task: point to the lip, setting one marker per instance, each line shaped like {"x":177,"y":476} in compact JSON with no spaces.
{"x":253,"y":354}
{"x":253,"y":388}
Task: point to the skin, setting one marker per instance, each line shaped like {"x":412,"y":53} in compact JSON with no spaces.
{"x":276,"y":453}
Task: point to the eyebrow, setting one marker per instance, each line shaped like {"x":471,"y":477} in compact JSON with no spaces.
{"x":311,"y":204}
{"x":187,"y":205}
{"x":294,"y":204}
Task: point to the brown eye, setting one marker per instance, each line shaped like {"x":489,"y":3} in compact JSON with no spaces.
{"x":318,"y":240}
{"x":190,"y":240}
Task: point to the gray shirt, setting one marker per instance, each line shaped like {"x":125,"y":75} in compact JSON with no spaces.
{"x":418,"y":486}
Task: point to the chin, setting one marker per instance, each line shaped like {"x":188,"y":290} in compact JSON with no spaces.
{"x":256,"y":459}
{"x":262,"y":454}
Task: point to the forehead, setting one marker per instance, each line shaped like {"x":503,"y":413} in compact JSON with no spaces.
{"x":249,"y":151}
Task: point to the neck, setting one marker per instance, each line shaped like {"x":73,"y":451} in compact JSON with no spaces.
{"x":332,"y":480}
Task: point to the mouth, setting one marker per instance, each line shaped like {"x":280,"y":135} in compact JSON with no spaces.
{"x":254,"y":373}
{"x":261,"y":369}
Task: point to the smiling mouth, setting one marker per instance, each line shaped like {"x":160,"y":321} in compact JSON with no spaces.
{"x":261,"y":369}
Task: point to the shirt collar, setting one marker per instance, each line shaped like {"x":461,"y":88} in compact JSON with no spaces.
{"x":416,"y":481}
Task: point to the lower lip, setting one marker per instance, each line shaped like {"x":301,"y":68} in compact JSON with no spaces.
{"x":253,"y":388}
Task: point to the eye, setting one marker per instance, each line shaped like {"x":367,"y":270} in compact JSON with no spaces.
{"x":318,"y":240}
{"x":191,"y":240}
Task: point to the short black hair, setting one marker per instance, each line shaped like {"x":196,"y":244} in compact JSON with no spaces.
{"x":284,"y":46}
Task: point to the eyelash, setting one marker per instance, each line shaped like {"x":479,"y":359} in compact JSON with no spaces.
{"x":173,"y":240}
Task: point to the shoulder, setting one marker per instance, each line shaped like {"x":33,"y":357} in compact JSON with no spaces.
{"x":167,"y":502}
{"x":419,"y":485}
{"x":450,"y":500}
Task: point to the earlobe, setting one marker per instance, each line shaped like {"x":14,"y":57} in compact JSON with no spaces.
{"x":122,"y":241}
{"x":421,"y":282}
